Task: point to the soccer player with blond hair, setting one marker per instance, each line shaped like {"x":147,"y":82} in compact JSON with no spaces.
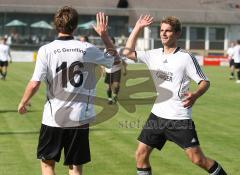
{"x":172,"y":69}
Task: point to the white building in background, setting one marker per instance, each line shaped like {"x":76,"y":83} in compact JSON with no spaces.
{"x":208,"y":25}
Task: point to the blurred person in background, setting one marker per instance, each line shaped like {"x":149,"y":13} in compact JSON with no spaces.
{"x":84,"y":38}
{"x":5,"y":57}
{"x":113,"y":77}
{"x":231,"y":60}
{"x":236,"y":58}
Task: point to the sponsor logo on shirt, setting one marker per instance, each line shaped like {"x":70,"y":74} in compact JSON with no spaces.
{"x":164,"y":75}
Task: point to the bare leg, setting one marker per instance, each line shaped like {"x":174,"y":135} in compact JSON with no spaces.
{"x":196,"y":155}
{"x":142,"y":159}
{"x":238,"y":75}
{"x":232,"y":71}
{"x":4,"y":72}
{"x":47,"y":167}
{"x":75,"y":170}
{"x":115,"y":89}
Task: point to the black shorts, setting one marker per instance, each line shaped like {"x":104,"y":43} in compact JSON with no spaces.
{"x":158,"y":130}
{"x":113,"y":77}
{"x":74,"y":141}
{"x":3,"y":63}
{"x":231,"y":62}
{"x":237,"y":65}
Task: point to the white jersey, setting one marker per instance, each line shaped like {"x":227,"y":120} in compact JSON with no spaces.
{"x":236,"y":54}
{"x":4,"y":52}
{"x":115,"y":67}
{"x":171,"y":74}
{"x":230,"y":53}
{"x":68,"y":68}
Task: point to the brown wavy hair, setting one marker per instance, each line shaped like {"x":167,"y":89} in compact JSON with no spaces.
{"x":66,"y":20}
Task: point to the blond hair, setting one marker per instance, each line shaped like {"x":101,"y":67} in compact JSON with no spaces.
{"x":172,"y":21}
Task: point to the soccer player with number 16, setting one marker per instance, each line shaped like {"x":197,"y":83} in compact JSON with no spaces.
{"x":68,"y":68}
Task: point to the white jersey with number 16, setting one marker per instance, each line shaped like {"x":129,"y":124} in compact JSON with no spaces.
{"x":68,"y":68}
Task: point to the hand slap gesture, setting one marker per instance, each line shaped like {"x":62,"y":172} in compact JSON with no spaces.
{"x":144,"y":20}
{"x":102,"y":24}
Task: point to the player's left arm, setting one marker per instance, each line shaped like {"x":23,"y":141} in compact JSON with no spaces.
{"x":30,"y":90}
{"x":191,"y":97}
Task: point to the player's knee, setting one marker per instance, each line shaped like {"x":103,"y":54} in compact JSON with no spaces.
{"x":50,"y":163}
{"x":141,"y":154}
{"x":75,"y":170}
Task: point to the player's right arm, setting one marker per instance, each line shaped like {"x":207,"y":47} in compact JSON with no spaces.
{"x":34,"y":84}
{"x":142,"y":22}
{"x":102,"y":30}
{"x":30,"y":90}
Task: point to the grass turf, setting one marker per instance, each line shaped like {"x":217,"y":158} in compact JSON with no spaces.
{"x":113,"y":142}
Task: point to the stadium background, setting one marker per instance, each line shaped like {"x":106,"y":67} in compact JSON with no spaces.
{"x":208,"y":25}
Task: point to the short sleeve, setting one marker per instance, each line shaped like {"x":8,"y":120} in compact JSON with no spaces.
{"x":95,"y":55}
{"x":194,"y":71}
{"x":40,"y":70}
{"x":142,"y":56}
{"x":230,"y":52}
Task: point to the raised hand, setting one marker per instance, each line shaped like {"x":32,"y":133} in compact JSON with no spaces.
{"x":144,"y":20}
{"x":102,"y":24}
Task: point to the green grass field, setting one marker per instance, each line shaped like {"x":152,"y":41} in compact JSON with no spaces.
{"x":113,"y":142}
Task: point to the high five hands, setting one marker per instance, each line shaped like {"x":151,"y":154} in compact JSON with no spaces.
{"x":143,"y":21}
{"x":102,"y":24}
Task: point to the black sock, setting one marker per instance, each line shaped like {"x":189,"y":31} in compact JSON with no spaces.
{"x":238,"y":74}
{"x":144,"y":171}
{"x":216,"y":169}
{"x":4,"y":74}
{"x":109,"y":93}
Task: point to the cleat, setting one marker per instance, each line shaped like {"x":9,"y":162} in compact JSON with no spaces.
{"x":110,"y":102}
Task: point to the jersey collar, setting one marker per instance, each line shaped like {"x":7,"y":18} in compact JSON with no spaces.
{"x":65,"y":38}
{"x":176,"y":50}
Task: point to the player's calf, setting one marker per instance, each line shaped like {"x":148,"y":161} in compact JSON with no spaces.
{"x":4,"y":76}
{"x":109,"y":95}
